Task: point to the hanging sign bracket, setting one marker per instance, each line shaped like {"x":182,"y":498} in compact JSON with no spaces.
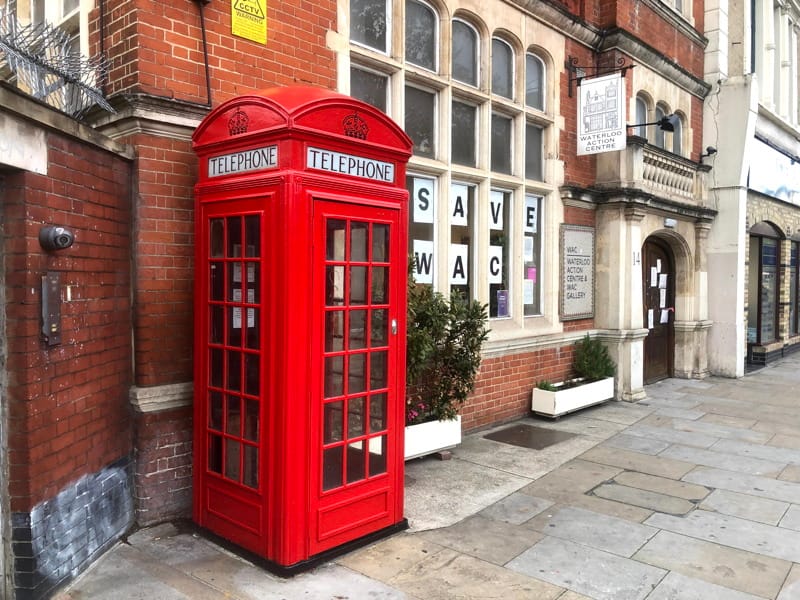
{"x":579,"y":72}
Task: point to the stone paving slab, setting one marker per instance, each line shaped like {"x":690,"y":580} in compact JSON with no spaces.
{"x":635,"y":461}
{"x":387,"y":558}
{"x":790,"y":473}
{"x":643,"y":498}
{"x":584,"y":425}
{"x":492,"y":541}
{"x":679,"y":587}
{"x":721,"y":460}
{"x":782,"y":440}
{"x":600,"y":531}
{"x":745,"y":506}
{"x":754,"y":485}
{"x":588,"y":571}
{"x":713,"y":563}
{"x":773,"y":453}
{"x":516,"y":508}
{"x":665,"y":434}
{"x":707,"y":428}
{"x":734,"y":532}
{"x":791,"y":520}
{"x":577,"y":476}
{"x":680,"y":413}
{"x":791,"y":589}
{"x":624,"y":413}
{"x":663,"y":485}
{"x":623,"y":441}
{"x":449,"y":575}
{"x":729,"y":421}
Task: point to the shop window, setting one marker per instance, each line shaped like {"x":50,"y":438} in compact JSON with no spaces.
{"x":497,"y":132}
{"x":502,"y":69}
{"x":794,"y":296}
{"x":499,"y":242}
{"x":465,"y":53}
{"x":532,"y":255}
{"x":421,"y":35}
{"x":763,"y":285}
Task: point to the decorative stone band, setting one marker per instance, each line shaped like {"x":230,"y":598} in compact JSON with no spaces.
{"x":161,"y":397}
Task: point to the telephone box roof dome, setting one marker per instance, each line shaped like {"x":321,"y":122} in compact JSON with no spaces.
{"x":300,"y":109}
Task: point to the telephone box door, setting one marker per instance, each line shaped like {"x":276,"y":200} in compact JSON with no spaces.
{"x":231,"y":344}
{"x":358,"y":290}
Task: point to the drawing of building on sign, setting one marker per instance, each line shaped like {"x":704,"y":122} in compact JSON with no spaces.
{"x":600,"y":109}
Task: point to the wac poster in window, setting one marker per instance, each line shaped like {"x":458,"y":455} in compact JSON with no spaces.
{"x":577,"y":272}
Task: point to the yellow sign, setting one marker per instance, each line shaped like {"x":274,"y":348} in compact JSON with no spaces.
{"x":249,"y":19}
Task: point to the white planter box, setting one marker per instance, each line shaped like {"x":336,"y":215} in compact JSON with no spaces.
{"x":430,"y":437}
{"x":559,"y":402}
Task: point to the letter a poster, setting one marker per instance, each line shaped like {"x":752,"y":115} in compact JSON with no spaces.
{"x":249,"y":20}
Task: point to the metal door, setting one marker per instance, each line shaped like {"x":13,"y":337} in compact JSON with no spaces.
{"x":658,"y":282}
{"x":358,"y":287}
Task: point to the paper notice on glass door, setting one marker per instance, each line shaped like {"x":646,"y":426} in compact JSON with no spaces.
{"x":653,"y":277}
{"x":649,"y":318}
{"x":664,"y":316}
{"x":662,"y":281}
{"x":662,"y":298}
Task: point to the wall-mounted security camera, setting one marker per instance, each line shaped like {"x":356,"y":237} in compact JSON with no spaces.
{"x":55,"y":238}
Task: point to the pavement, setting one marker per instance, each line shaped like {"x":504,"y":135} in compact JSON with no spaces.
{"x":690,"y":494}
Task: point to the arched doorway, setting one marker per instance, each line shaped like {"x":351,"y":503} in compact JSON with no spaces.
{"x":658,"y":302}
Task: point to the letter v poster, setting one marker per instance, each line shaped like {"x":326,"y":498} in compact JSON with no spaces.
{"x":601,"y":114}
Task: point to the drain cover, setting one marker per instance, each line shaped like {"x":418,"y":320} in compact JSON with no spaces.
{"x":529,"y":436}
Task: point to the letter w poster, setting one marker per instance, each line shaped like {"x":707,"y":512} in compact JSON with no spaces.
{"x":601,"y":114}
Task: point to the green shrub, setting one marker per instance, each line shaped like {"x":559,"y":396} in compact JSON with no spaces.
{"x":443,"y":352}
{"x":591,"y":359}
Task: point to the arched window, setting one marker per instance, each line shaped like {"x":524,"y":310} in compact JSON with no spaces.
{"x":659,"y":139}
{"x":534,"y":81}
{"x":422,"y":35}
{"x":677,"y":136}
{"x":502,"y":68}
{"x":641,"y":117}
{"x":465,"y":53}
{"x":368,"y":24}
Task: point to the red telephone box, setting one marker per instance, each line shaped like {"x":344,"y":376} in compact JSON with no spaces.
{"x":302,"y":216}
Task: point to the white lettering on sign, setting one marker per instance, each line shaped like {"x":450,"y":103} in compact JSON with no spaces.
{"x":459,"y":206}
{"x":459,"y":264}
{"x":530,"y":224}
{"x":496,"y":210}
{"x":348,"y":164}
{"x":495,"y":264}
{"x":256,"y":159}
{"x":577,"y":272}
{"x":423,"y":198}
{"x":423,"y":261}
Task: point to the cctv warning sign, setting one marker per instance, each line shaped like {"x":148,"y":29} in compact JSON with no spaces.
{"x":249,"y":19}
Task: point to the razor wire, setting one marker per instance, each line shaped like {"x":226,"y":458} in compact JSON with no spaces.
{"x":48,"y":68}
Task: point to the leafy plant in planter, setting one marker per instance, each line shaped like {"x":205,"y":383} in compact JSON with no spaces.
{"x":592,"y":360}
{"x":443,"y":352}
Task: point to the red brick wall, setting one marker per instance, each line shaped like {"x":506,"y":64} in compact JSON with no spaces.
{"x":164,"y":265}
{"x":140,"y":35}
{"x":504,"y":385}
{"x":68,"y":404}
{"x":163,"y":471}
